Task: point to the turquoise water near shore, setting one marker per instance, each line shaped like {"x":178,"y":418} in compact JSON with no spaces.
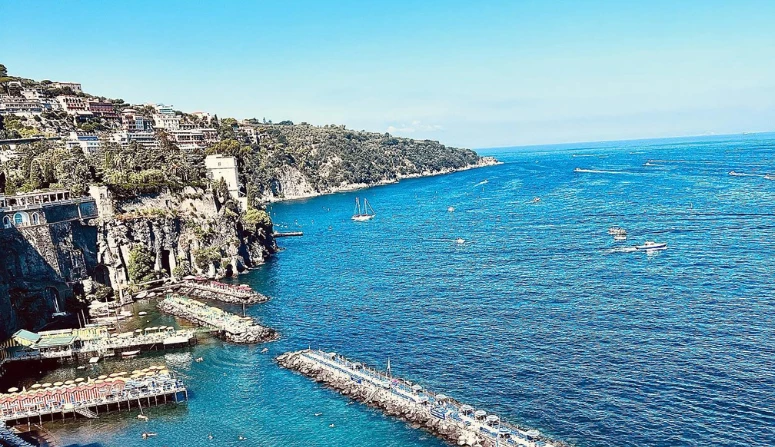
{"x":539,"y":316}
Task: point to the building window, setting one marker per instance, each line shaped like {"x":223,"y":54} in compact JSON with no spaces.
{"x":35,"y":219}
{"x":20,"y":219}
{"x":7,"y":222}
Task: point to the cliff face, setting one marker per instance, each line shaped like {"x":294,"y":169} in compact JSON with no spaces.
{"x":187,"y":233}
{"x":38,"y":265}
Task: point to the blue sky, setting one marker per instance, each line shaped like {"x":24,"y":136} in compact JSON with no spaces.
{"x":475,"y":74}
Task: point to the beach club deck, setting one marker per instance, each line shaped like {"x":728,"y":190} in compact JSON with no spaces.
{"x":88,"y":397}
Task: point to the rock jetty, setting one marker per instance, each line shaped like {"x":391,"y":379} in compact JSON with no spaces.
{"x":440,"y":415}
{"x":217,"y":291}
{"x":231,"y":327}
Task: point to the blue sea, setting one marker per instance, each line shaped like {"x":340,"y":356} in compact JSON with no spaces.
{"x":539,"y":316}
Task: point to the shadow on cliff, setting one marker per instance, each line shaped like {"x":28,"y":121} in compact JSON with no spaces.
{"x":32,"y":286}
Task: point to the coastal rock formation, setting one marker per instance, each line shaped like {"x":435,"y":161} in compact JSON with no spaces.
{"x":187,"y":233}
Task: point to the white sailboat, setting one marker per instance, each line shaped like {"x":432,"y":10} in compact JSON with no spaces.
{"x":362,"y":215}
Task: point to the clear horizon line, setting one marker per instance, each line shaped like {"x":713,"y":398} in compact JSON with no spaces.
{"x":625,"y":140}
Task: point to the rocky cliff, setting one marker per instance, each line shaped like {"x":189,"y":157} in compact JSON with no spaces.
{"x":39,"y":268}
{"x":180,"y":234}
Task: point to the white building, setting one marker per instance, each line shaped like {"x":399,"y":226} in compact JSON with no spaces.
{"x":74,"y":86}
{"x":89,"y":143}
{"x":19,"y":105}
{"x":223,"y":167}
{"x":146,"y":139}
{"x":72,"y":104}
{"x":134,"y":122}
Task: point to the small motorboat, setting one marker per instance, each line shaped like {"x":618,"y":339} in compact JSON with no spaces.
{"x":613,"y":231}
{"x":130,"y":354}
{"x":451,"y":209}
{"x":142,"y":417}
{"x":651,"y":245}
{"x":620,"y":237}
{"x":536,"y":199}
{"x":460,"y":240}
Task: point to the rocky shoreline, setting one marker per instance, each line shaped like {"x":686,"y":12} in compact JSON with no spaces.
{"x":373,"y":396}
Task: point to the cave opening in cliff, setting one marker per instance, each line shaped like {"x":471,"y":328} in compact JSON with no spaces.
{"x":102,"y":275}
{"x":52,"y":294}
{"x":165,"y":262}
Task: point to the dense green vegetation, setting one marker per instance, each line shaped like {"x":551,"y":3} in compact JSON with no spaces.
{"x":140,"y":265}
{"x":126,"y":171}
{"x":332,"y":156}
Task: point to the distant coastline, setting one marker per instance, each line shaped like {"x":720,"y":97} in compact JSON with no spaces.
{"x":483,"y":162}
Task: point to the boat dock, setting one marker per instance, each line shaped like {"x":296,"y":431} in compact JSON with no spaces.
{"x":83,"y":344}
{"x":288,"y":234}
{"x":203,"y":288}
{"x":443,"y":416}
{"x":227,"y":325}
{"x":88,"y":398}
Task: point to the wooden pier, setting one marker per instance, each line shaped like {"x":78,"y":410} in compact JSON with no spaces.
{"x":88,"y":398}
{"x":288,"y":234}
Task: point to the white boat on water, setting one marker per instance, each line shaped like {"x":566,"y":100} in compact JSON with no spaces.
{"x":130,"y":354}
{"x":651,"y":245}
{"x":620,"y":237}
{"x":613,"y":231}
{"x":362,"y":215}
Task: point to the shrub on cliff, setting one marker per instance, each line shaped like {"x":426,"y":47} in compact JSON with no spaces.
{"x":140,"y":265}
{"x":257,"y":217}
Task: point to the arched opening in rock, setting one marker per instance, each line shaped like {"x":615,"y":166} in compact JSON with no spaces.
{"x":165,"y":262}
{"x":102,"y":275}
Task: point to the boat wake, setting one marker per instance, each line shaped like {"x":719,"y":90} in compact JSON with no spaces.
{"x":746,"y":174}
{"x":483,"y":182}
{"x":599,"y":171}
{"x":622,"y":250}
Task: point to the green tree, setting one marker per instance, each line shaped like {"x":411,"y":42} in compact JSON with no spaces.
{"x":140,"y":265}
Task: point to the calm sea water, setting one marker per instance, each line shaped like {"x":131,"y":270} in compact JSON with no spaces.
{"x":539,"y":316}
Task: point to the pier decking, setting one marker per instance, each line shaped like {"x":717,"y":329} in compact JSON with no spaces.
{"x":230,"y":326}
{"x":72,"y":345}
{"x":441,"y":415}
{"x":87,"y":398}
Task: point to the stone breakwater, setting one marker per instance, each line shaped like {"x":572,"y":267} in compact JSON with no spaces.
{"x":229,"y":326}
{"x":440,"y":415}
{"x":221,"y":292}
